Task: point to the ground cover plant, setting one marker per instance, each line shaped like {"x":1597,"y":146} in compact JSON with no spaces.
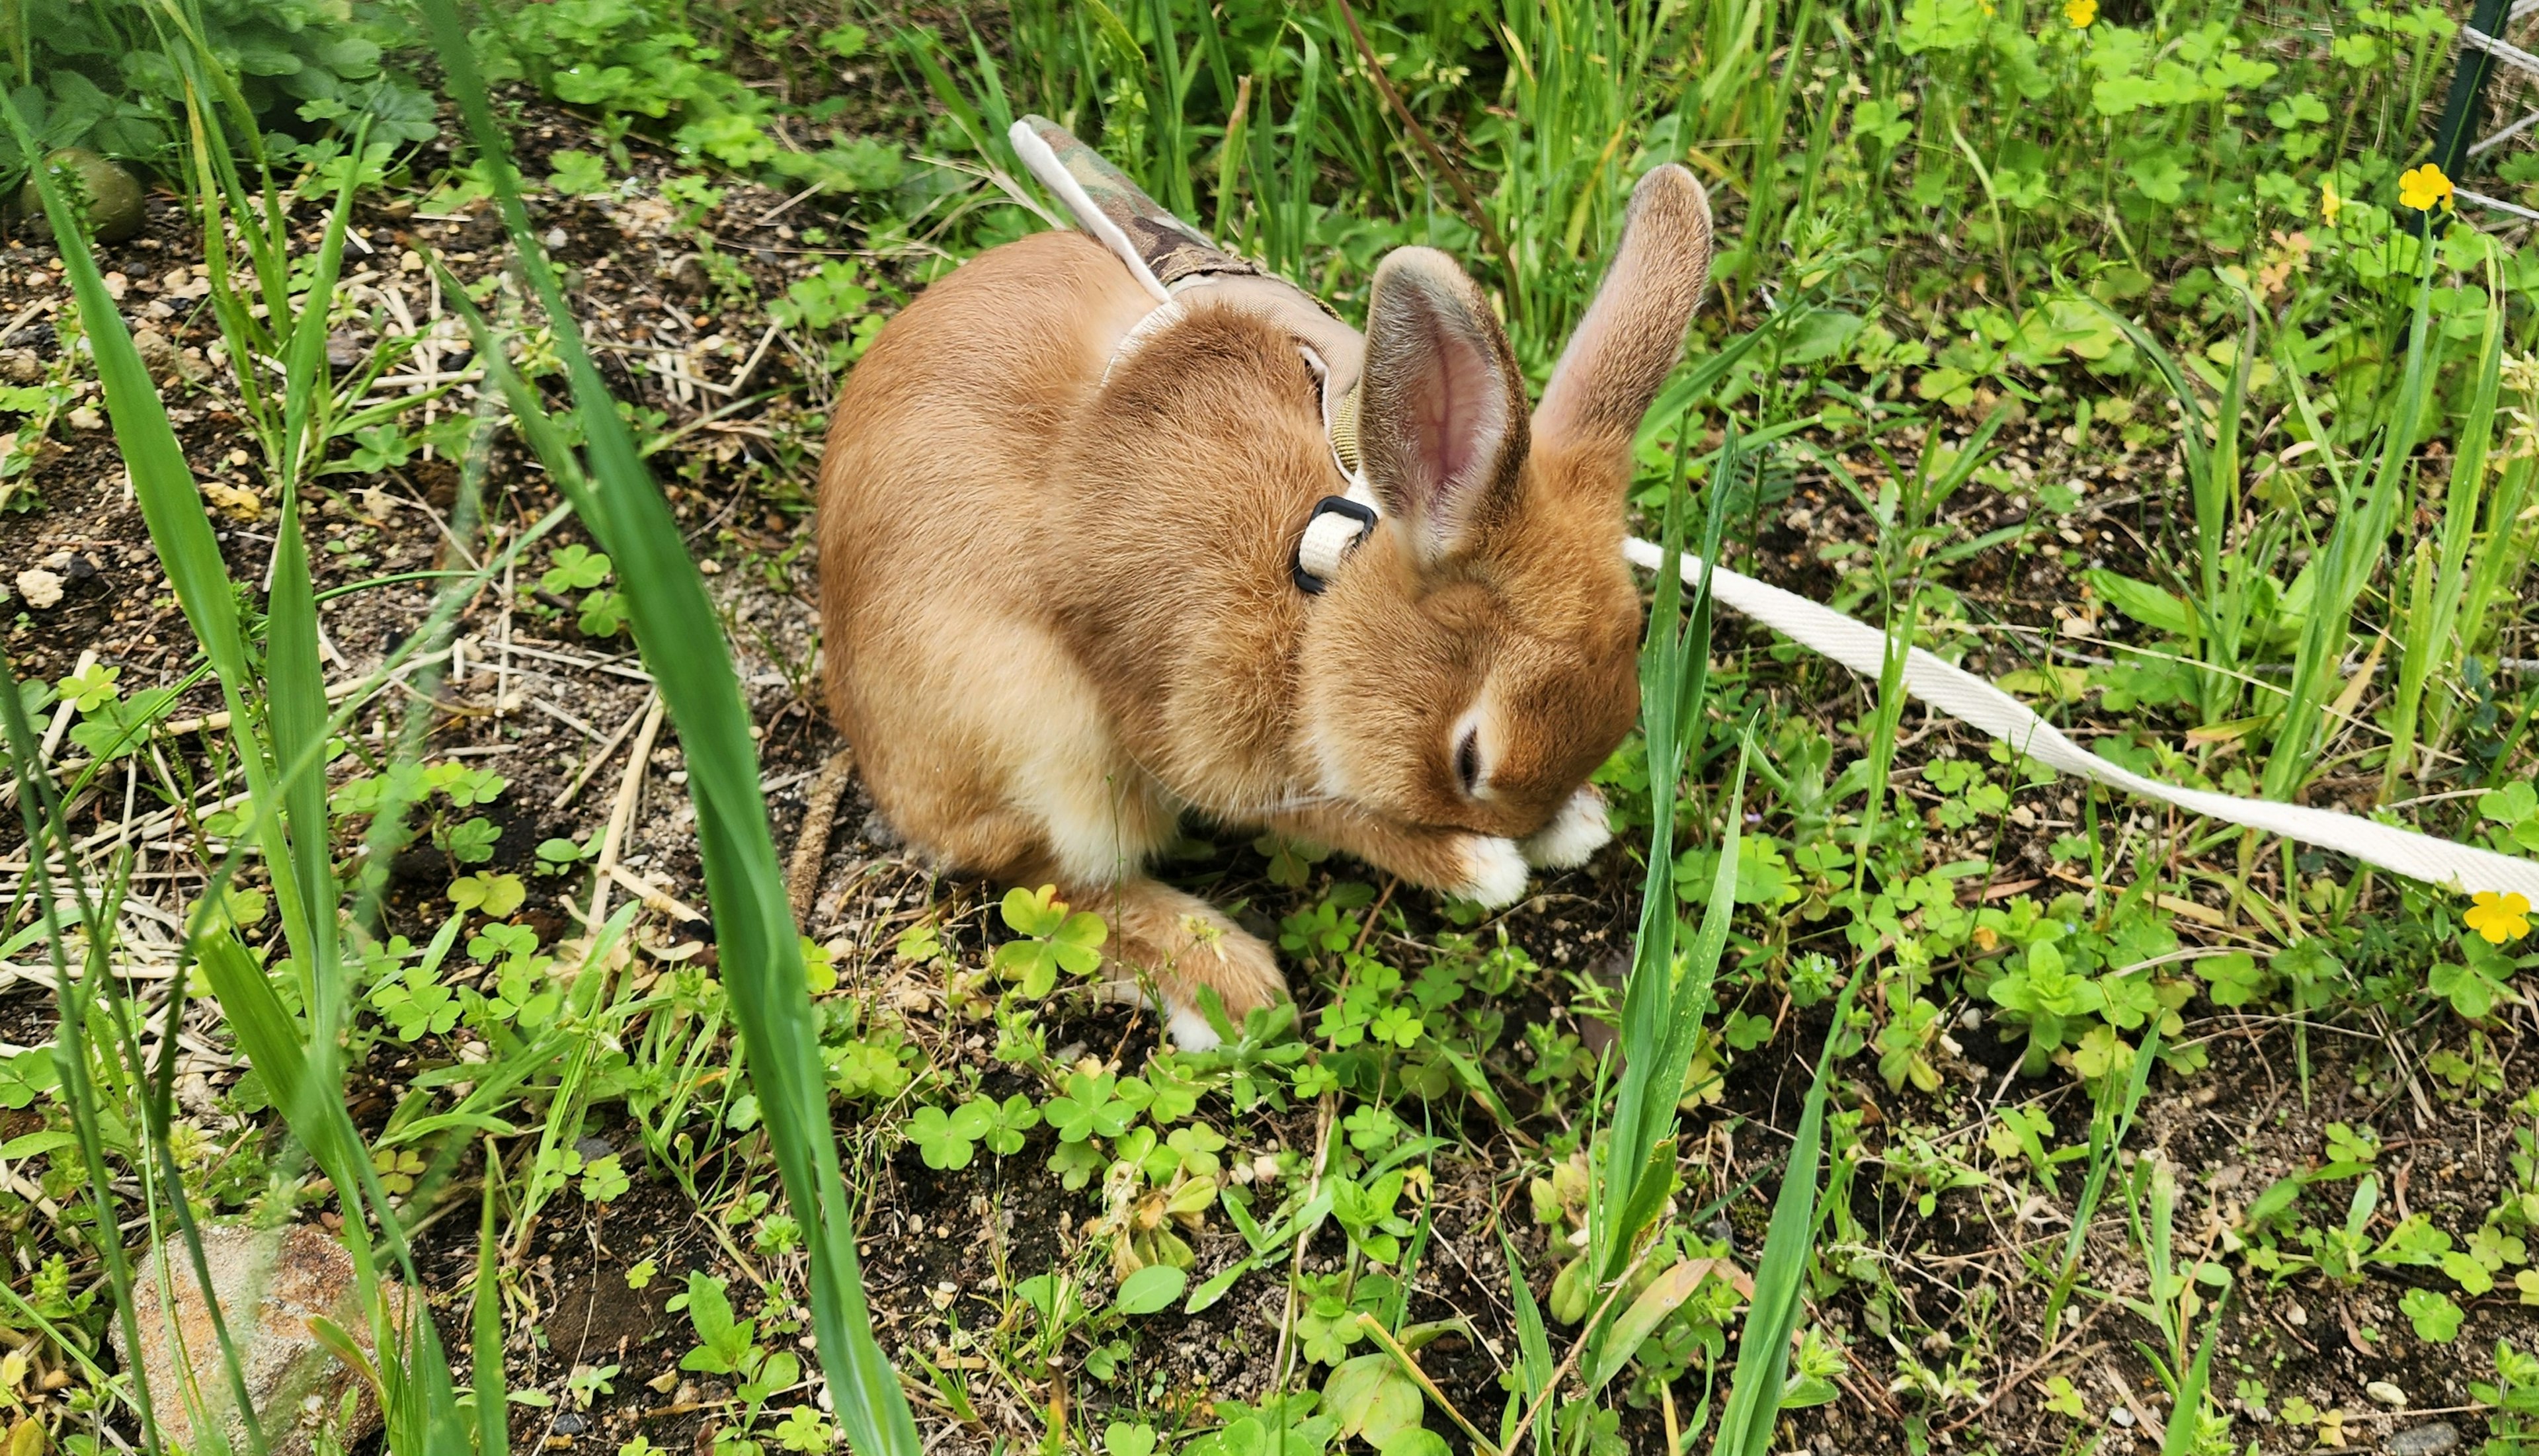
{"x":396,"y":810}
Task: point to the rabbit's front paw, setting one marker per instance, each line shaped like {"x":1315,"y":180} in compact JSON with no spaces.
{"x":1574,"y":834}
{"x":1494,"y":873}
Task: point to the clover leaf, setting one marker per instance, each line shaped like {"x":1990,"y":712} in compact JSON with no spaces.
{"x":2237,"y":978}
{"x":575,"y":568}
{"x":603,"y":614}
{"x":1010,"y":1120}
{"x":1400,"y":1025}
{"x":1091,"y":1107}
{"x":497,"y":895}
{"x":1075,"y":1163}
{"x":604,"y":1180}
{"x":93,"y":687}
{"x":2474,"y":989}
{"x":2435,"y":1318}
{"x":468,"y":843}
{"x":946,"y":1141}
{"x":1057,"y":940}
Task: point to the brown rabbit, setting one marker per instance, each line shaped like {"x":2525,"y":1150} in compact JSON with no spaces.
{"x":1062,"y":597}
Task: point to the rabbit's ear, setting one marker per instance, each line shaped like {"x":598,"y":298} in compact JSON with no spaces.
{"x":1634,"y":332}
{"x":1441,"y":414}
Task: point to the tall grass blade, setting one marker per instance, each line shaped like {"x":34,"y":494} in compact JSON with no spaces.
{"x":485,"y":1327}
{"x":2433,"y":612}
{"x":2346,"y":563}
{"x":675,"y":625}
{"x":2184,"y":1435}
{"x":40,"y":811}
{"x":1674,"y":660}
{"x":2109,"y":1125}
{"x":164,"y":485}
{"x":1753,"y":1408}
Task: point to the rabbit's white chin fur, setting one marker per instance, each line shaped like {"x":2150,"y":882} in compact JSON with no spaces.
{"x":1190,"y":1031}
{"x":1573,"y":836}
{"x":1495,"y":874}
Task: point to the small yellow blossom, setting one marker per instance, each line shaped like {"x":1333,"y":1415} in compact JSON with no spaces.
{"x":2425,"y":188}
{"x":2499,"y":918}
{"x":2080,"y":13}
{"x":2329,"y":204}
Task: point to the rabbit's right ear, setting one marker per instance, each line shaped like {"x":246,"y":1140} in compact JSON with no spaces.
{"x":1632,"y":333}
{"x":1441,"y":413}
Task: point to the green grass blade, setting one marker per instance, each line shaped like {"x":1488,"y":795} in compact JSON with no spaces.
{"x":485,"y":1322}
{"x":1754,"y":1407}
{"x":180,"y":531}
{"x":1658,"y":1081}
{"x":1666,"y":656}
{"x":2433,"y":614}
{"x":2346,"y":563}
{"x":1532,"y":1344}
{"x":39,"y":811}
{"x":676,"y":628}
{"x":2184,"y":1434}
{"x":2109,"y":1127}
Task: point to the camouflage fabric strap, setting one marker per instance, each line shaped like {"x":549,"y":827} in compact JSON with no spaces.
{"x":1170,"y":250}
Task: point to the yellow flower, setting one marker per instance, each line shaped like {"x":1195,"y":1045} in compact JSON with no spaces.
{"x":2329,"y":204}
{"x":2425,"y":188}
{"x":2080,"y":13}
{"x":2499,"y":918}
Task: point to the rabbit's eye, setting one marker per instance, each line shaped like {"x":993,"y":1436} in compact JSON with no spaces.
{"x":1468,"y":760}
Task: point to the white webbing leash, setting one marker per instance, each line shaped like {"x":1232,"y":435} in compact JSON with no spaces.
{"x":1972,"y":701}
{"x":1340,"y":523}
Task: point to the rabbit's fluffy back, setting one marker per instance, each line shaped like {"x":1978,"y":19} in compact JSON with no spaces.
{"x":937,"y":534}
{"x":1049,"y":626}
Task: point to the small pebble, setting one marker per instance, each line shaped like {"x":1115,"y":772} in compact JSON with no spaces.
{"x":41,"y":588}
{"x":592,"y":1148}
{"x":2386,"y":1394}
{"x":158,"y":353}
{"x":2429,"y":1439}
{"x":570,"y":1424}
{"x":2121,"y":1415}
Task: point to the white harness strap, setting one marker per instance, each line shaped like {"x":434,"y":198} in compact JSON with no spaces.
{"x":1162,"y":317}
{"x":1338,"y":522}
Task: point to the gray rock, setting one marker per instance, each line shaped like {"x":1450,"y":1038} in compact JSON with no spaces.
{"x":2428,"y":1439}
{"x":293,"y":1382}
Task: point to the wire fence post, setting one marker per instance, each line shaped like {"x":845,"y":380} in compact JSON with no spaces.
{"x":2468,"y":94}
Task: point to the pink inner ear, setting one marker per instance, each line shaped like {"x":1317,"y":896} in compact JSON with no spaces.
{"x":1460,"y":415}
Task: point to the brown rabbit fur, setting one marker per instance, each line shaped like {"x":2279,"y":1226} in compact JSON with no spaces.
{"x":1059,"y":611}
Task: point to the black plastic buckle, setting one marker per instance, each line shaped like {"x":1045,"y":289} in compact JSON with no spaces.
{"x":1363,"y":515}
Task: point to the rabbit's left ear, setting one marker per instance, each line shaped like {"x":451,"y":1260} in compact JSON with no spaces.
{"x":1634,"y":332}
{"x":1441,"y":413}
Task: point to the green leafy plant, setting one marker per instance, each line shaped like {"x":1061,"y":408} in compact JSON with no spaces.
{"x":1056,"y":939}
